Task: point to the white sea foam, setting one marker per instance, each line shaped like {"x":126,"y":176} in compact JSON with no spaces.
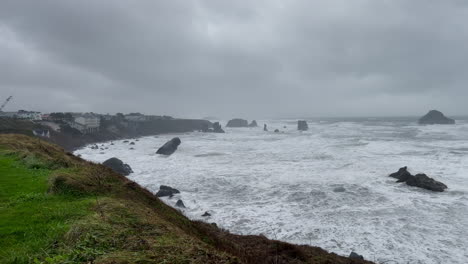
{"x":281,"y":184}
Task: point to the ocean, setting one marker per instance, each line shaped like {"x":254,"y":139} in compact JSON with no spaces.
{"x":282,"y":184}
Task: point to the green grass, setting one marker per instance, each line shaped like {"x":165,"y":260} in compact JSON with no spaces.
{"x":31,"y":219}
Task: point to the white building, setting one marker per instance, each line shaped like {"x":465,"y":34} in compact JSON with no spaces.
{"x":29,"y":115}
{"x":87,"y":123}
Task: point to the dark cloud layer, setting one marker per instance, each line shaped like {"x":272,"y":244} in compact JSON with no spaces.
{"x":266,"y":58}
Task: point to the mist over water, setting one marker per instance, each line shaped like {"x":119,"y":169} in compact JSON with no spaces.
{"x":282,"y":184}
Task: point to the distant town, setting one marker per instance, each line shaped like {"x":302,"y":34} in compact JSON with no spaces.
{"x":85,"y":123}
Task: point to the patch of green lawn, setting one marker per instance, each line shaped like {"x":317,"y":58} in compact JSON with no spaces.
{"x":31,"y":219}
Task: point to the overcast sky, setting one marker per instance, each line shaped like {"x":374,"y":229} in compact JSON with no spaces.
{"x":252,"y":59}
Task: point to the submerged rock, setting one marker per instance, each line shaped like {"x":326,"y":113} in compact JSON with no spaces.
{"x":180,"y":204}
{"x":435,"y":117}
{"x":339,"y":189}
{"x":355,"y":255}
{"x":170,"y":147}
{"x":423,"y":181}
{"x":132,"y":143}
{"x":253,"y":124}
{"x":277,"y":131}
{"x":118,"y":166}
{"x":237,"y":122}
{"x":302,"y":125}
{"x":166,"y":191}
{"x":419,"y":180}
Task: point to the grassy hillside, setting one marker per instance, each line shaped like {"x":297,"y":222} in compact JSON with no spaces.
{"x":57,"y":208}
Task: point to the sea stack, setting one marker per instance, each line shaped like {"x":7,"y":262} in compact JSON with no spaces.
{"x":170,"y":147}
{"x":237,"y":122}
{"x":217,"y":128}
{"x":302,"y":125}
{"x":253,"y":123}
{"x":435,"y":117}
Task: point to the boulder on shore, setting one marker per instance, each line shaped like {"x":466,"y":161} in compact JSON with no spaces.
{"x":166,"y":191}
{"x":118,"y":166}
{"x":253,"y":124}
{"x":419,"y":180}
{"x":170,"y":147}
{"x":355,"y":255}
{"x":302,"y":125}
{"x":237,"y":122}
{"x":435,"y":117}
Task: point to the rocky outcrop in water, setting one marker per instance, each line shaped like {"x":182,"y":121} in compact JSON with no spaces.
{"x":435,"y":117}
{"x":166,"y":191}
{"x":237,"y":122}
{"x":401,"y":175}
{"x":206,"y":214}
{"x":180,"y":204}
{"x":276,"y":131}
{"x":170,"y":147}
{"x":302,"y":125}
{"x":253,"y":124}
{"x":419,"y":180}
{"x":217,"y":128}
{"x":423,"y":181}
{"x":265,"y":127}
{"x":118,"y":166}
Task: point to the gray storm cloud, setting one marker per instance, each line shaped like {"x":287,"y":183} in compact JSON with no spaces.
{"x":236,"y":58}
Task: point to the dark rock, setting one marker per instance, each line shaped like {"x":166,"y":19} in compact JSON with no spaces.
{"x":265,"y":127}
{"x":402,"y":174}
{"x":137,"y":140}
{"x":419,"y":180}
{"x":112,"y":143}
{"x":237,"y":122}
{"x":166,"y":191}
{"x":180,"y":204}
{"x":217,"y":128}
{"x":339,"y":189}
{"x":206,"y":214}
{"x":253,"y":124}
{"x":132,"y":143}
{"x":170,"y":147}
{"x":118,"y":166}
{"x":355,"y":255}
{"x":302,"y":125}
{"x":131,"y":148}
{"x":277,"y":131}
{"x":435,"y":117}
{"x":423,"y":181}
{"x":125,"y":141}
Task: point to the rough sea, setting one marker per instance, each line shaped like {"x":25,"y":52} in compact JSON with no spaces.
{"x":282,"y":184}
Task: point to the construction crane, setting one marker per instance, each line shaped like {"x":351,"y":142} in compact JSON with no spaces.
{"x":5,"y":103}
